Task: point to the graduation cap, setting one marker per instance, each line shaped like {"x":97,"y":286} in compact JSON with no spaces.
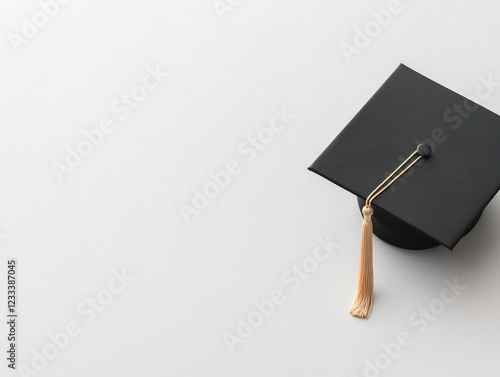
{"x":423,"y":162}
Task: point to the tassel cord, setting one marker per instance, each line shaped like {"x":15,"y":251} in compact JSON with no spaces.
{"x":363,"y":301}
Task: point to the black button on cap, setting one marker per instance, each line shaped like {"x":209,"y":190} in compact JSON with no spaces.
{"x":424,"y":150}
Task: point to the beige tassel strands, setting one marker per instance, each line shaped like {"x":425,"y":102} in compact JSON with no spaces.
{"x":362,"y":305}
{"x":363,"y":302}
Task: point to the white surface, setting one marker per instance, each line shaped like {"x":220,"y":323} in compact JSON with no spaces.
{"x":119,"y":208}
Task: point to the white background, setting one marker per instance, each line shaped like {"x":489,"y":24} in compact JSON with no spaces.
{"x":119,"y":209}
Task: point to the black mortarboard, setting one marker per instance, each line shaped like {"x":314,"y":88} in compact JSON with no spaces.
{"x":440,"y":198}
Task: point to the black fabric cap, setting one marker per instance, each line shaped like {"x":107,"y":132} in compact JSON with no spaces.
{"x":442,"y":196}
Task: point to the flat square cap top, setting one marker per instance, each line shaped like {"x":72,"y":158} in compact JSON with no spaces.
{"x":440,"y":196}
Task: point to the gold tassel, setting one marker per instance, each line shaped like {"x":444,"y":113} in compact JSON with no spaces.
{"x":362,"y":305}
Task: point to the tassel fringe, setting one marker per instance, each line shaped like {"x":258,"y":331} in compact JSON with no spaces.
{"x":362,"y":305}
